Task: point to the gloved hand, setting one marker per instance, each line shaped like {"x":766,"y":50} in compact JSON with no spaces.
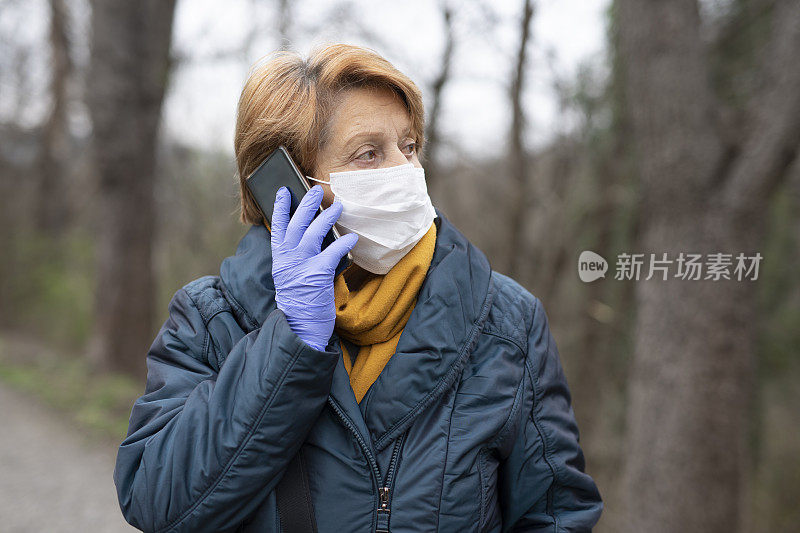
{"x":303,"y":275}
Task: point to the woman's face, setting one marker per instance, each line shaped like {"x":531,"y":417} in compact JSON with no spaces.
{"x":370,"y":128}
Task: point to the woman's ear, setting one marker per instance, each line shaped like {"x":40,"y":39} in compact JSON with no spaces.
{"x":322,"y":181}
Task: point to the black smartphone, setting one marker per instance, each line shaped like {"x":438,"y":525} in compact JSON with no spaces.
{"x":276,"y":171}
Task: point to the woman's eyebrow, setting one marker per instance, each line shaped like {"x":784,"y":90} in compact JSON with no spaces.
{"x":364,"y":135}
{"x":374,"y":135}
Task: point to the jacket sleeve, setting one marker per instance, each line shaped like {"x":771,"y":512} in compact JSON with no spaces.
{"x":204,"y":448}
{"x":543,"y":483}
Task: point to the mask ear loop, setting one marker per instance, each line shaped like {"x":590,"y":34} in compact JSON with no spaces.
{"x":349,"y":254}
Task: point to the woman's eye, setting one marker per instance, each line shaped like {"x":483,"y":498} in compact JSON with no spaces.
{"x":410,"y":148}
{"x":369,"y":155}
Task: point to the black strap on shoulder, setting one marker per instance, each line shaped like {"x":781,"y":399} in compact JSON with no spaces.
{"x":295,"y":508}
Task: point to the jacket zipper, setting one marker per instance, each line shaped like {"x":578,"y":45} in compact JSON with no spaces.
{"x":384,"y":490}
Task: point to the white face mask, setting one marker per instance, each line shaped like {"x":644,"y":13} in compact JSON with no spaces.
{"x":389,"y":209}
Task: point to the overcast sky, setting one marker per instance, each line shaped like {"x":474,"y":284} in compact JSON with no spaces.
{"x":201,"y":103}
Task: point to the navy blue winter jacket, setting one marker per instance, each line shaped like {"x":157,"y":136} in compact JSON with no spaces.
{"x":469,"y":425}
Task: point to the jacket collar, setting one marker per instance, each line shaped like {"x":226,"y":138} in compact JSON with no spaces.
{"x":451,"y":307}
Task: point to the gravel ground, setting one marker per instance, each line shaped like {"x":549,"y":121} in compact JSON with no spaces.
{"x":52,"y":479}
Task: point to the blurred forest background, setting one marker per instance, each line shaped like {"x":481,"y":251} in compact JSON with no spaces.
{"x":682,"y":136}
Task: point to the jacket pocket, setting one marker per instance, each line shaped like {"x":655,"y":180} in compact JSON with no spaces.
{"x":482,"y":480}
{"x":487,"y":474}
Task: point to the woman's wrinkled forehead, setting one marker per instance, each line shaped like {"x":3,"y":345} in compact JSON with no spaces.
{"x":361,"y":114}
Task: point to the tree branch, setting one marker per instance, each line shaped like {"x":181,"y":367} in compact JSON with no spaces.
{"x":518,"y":159}
{"x":433,"y":140}
{"x":773,"y":123}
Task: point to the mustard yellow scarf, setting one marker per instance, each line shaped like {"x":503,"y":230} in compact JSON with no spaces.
{"x":373,"y":316}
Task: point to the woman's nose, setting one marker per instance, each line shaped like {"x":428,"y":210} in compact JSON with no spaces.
{"x":396,"y":157}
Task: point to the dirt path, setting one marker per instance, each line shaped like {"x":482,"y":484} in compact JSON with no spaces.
{"x":51,"y":478}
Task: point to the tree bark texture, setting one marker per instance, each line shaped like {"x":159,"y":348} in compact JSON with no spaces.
{"x":703,"y":191}
{"x":129,"y":71}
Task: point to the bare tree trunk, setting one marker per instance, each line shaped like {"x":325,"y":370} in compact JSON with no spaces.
{"x":50,"y":204}
{"x":517,"y":155}
{"x":692,"y":374}
{"x":129,"y":72}
{"x":433,"y":140}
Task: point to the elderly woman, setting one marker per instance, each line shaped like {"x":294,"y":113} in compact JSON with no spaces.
{"x":415,"y":391}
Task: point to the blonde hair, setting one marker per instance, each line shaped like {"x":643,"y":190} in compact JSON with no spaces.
{"x":288,"y":100}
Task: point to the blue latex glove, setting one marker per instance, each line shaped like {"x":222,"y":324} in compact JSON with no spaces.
{"x":303,"y":275}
